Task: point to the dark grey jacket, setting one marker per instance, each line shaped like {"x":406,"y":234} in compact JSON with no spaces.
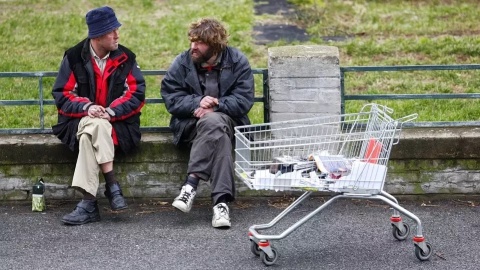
{"x":180,"y":88}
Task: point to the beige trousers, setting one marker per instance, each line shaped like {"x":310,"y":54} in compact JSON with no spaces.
{"x":95,"y":147}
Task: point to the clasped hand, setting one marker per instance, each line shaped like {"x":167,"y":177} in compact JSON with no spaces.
{"x":206,"y":105}
{"x":97,"y":111}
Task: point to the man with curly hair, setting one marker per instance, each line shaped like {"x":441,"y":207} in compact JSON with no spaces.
{"x":208,"y":89}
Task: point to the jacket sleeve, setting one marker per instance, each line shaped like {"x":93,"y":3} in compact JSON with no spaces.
{"x":180,"y":100}
{"x":133,"y":98}
{"x":240,"y":97}
{"x":65,"y":93}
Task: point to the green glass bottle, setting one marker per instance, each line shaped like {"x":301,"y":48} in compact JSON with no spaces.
{"x":38,"y":200}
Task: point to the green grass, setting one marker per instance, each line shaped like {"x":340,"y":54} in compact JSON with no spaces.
{"x":35,"y":35}
{"x":383,"y":32}
{"x":396,"y":32}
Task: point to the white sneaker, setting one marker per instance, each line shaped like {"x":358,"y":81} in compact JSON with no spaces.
{"x":184,"y":200}
{"x":221,"y":216}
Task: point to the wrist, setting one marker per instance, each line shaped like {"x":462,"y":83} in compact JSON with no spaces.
{"x":87,"y":106}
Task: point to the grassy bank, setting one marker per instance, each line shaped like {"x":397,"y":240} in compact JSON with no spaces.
{"x":392,"y":32}
{"x":35,"y":35}
{"x":396,"y":32}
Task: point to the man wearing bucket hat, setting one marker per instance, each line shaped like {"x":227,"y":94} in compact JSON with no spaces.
{"x":99,"y":92}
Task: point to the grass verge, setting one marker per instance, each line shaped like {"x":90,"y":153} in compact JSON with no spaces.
{"x":35,"y":34}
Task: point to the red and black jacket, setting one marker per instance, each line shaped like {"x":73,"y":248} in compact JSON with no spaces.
{"x":122,"y":92}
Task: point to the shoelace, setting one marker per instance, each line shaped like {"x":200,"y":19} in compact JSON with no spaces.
{"x":222,"y":210}
{"x":185,"y":196}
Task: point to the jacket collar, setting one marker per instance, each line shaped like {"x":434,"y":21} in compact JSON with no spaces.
{"x":228,"y":59}
{"x":117,"y":55}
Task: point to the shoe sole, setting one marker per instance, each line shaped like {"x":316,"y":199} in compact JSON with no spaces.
{"x":67,"y":222}
{"x":120,"y":208}
{"x":179,"y":207}
{"x":222,"y":225}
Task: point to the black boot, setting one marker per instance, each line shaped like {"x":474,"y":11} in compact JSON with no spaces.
{"x":86,"y":211}
{"x":115,"y":196}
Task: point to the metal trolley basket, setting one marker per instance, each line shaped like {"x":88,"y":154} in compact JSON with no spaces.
{"x":346,"y":154}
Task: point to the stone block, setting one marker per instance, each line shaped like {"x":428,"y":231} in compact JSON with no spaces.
{"x":303,"y":61}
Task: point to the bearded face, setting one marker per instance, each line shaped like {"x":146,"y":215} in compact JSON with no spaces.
{"x":200,"y":52}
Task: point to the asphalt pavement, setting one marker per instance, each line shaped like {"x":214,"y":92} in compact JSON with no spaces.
{"x":349,"y":234}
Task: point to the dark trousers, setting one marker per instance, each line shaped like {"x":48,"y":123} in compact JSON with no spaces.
{"x":211,"y":154}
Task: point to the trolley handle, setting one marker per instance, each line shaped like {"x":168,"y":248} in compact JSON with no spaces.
{"x":401,"y":121}
{"x":408,"y":118}
{"x":383,"y":108}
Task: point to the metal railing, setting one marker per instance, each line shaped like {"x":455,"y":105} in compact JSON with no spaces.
{"x":42,"y":102}
{"x":372,"y":97}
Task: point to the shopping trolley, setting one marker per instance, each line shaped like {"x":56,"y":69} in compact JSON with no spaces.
{"x":345,"y":154}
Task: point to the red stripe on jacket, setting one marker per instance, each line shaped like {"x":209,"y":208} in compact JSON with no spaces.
{"x":132,"y":88}
{"x":67,"y":92}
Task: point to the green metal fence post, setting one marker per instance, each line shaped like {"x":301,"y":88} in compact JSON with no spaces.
{"x":40,"y":94}
{"x":266,"y":97}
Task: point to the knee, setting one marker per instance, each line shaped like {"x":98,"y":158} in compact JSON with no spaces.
{"x":102,"y":123}
{"x":210,"y":118}
{"x":89,"y":123}
{"x":100,"y":126}
{"x":211,"y":121}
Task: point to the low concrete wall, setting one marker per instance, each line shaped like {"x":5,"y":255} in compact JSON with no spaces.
{"x":426,"y":161}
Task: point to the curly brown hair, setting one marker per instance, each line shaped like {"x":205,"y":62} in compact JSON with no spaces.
{"x":209,"y":31}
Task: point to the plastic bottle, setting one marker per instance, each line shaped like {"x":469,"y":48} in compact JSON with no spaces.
{"x":38,"y":200}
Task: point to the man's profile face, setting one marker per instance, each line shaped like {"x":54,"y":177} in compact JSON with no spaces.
{"x":200,"y":52}
{"x":109,"y":41}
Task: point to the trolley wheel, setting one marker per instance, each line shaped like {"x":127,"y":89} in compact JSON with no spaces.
{"x":398,"y":234}
{"x":255,"y":248}
{"x":423,"y":256}
{"x":269,"y":260}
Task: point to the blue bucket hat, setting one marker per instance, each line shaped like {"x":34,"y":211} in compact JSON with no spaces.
{"x":101,"y":21}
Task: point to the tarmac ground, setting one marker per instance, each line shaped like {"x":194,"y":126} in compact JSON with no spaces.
{"x":151,"y":234}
